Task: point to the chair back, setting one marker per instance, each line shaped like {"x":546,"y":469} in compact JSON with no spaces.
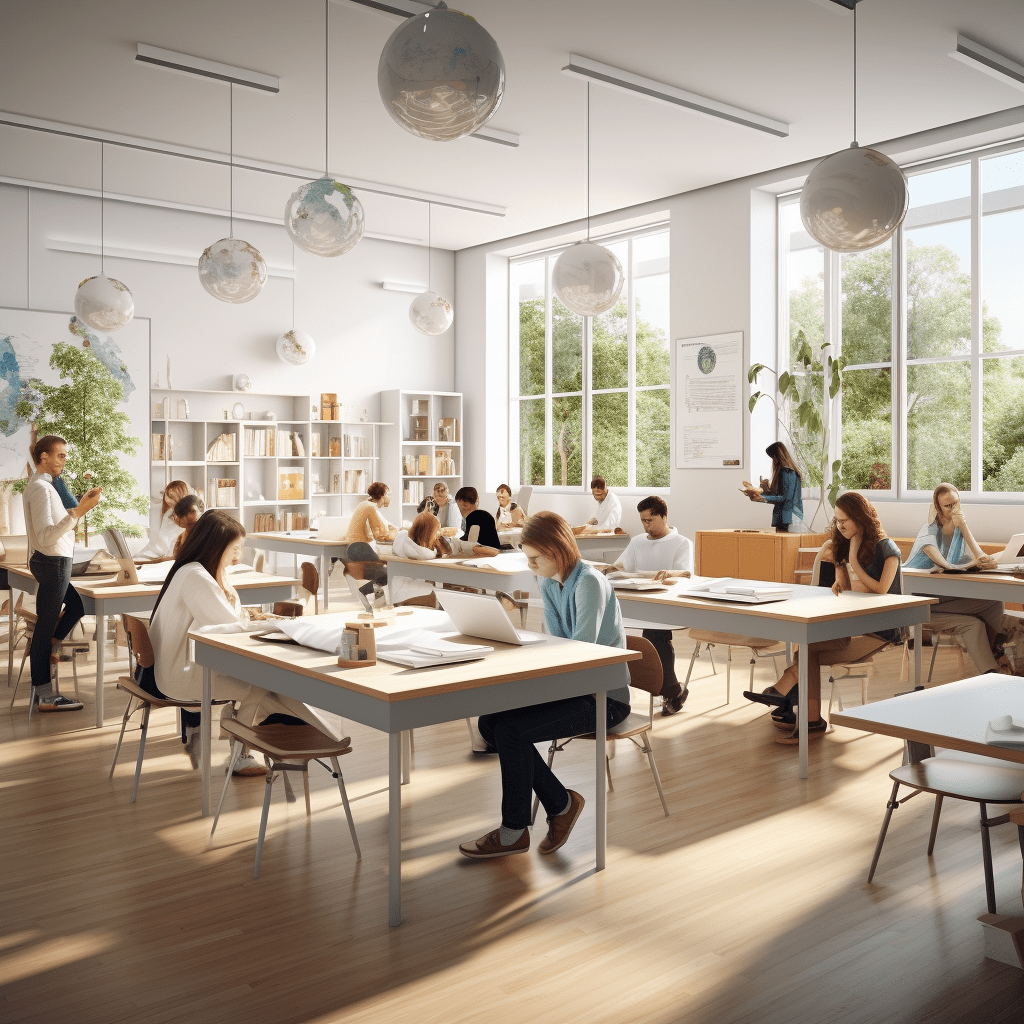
{"x":522,"y":498}
{"x":140,"y":647}
{"x":259,"y":561}
{"x":647,"y":673}
{"x":310,"y":578}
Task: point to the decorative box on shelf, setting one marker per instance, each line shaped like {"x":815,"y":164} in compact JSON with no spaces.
{"x":291,"y":484}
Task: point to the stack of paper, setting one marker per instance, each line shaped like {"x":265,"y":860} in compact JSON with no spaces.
{"x":1005,"y":732}
{"x":744,"y":591}
{"x":422,"y":648}
{"x":507,"y":561}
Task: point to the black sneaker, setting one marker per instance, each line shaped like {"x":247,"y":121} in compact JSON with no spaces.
{"x":671,"y":705}
{"x":58,"y":702}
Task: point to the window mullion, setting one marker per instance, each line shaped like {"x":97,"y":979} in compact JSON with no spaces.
{"x":548,"y":437}
{"x":898,"y":393}
{"x":630,"y":372}
{"x":588,"y":397}
{"x":976,"y":327}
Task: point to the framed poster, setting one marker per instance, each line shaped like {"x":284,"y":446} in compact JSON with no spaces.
{"x":709,"y":402}
{"x":27,"y":337}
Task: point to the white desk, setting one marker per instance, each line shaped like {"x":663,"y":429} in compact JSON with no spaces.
{"x":392,"y":698}
{"x":304,"y":542}
{"x":810,"y":615}
{"x":101,"y":601}
{"x":596,"y":545}
{"x":985,"y":586}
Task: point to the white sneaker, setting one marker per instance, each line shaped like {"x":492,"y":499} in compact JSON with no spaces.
{"x":245,"y":765}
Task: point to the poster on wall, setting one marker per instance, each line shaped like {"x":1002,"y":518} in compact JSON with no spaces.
{"x":709,"y":402}
{"x":27,"y":339}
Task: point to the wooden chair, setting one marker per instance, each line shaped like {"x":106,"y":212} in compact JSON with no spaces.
{"x":140,"y":655}
{"x":759,"y":647}
{"x":311,"y":587}
{"x":286,"y":748}
{"x":645,"y":674}
{"x":1017,"y":818}
{"x":961,"y":777}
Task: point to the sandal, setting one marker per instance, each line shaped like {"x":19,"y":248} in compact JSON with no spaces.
{"x":792,"y":738}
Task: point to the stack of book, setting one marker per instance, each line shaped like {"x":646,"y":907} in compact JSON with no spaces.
{"x":223,"y":449}
{"x":413,"y":492}
{"x":221,"y":492}
{"x":163,"y":444}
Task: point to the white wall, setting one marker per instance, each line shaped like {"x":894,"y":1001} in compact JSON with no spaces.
{"x":723,"y":278}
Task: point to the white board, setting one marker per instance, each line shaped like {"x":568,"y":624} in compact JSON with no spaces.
{"x":709,"y":402}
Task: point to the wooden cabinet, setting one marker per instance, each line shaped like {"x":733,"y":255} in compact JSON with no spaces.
{"x":752,"y":554}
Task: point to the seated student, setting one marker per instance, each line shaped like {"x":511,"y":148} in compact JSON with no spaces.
{"x":161,"y":542}
{"x":609,"y":508}
{"x":858,"y":539}
{"x":441,"y":504}
{"x":783,"y":492}
{"x":946,"y":542}
{"x":660,"y":548}
{"x":421,"y":541}
{"x":367,"y":524}
{"x":186,"y":514}
{"x":196,"y":593}
{"x":579,"y":604}
{"x":468,"y":501}
{"x":509,"y":514}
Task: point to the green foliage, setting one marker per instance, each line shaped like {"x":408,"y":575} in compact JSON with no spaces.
{"x":84,"y":411}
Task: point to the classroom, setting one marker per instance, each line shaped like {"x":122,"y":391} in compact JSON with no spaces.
{"x":583,"y":436}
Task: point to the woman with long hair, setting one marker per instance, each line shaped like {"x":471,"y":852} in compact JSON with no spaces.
{"x":509,"y":515}
{"x":579,"y":604}
{"x":422,"y":541}
{"x":197,"y":592}
{"x":161,"y":542}
{"x":946,"y":542}
{"x":858,"y":540}
{"x":185,"y":515}
{"x":783,"y":491}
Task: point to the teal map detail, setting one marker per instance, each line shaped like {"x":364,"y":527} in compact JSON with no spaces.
{"x":106,"y":352}
{"x":315,"y":194}
{"x":706,"y":359}
{"x":10,"y":387}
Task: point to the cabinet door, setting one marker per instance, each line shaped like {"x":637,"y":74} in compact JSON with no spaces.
{"x":758,"y":557}
{"x":717,"y":553}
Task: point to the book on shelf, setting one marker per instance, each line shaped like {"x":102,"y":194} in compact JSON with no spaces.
{"x":314,"y":444}
{"x":221,"y":492}
{"x":163,"y":444}
{"x":423,"y":465}
{"x":222,"y":449}
{"x":413,"y":492}
{"x":334,"y":446}
{"x":298,"y":448}
{"x":448,"y":429}
{"x":355,"y":481}
{"x":419,"y":406}
{"x":328,"y":405}
{"x":444,"y":464}
{"x":291,"y":484}
{"x":355,"y":446}
{"x":264,"y":522}
{"x":418,"y":428}
{"x":294,"y":521}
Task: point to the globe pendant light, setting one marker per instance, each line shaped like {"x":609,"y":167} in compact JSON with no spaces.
{"x":102,"y":302}
{"x":430,"y":313}
{"x":232,"y":270}
{"x":324,"y":217}
{"x":441,"y":75}
{"x":295,"y":347}
{"x":587,"y":277}
{"x":854,"y":199}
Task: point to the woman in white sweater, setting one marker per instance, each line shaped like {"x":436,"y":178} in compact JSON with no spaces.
{"x":161,"y":543}
{"x":197,"y":594}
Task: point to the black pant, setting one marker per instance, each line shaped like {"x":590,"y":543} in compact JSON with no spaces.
{"x":662,"y":641}
{"x":53,"y":574}
{"x":523,"y":770}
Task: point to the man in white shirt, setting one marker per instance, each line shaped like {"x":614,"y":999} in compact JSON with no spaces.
{"x":51,"y":542}
{"x":660,"y":548}
{"x":609,"y":509}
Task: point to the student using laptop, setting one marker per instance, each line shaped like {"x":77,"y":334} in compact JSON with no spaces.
{"x":660,"y":548}
{"x":946,"y":542}
{"x":367,"y":524}
{"x":609,"y":508}
{"x":579,"y":604}
{"x":468,"y":501}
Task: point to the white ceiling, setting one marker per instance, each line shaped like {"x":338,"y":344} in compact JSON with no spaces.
{"x":72,"y":62}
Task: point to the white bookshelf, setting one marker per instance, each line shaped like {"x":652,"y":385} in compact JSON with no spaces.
{"x":401,"y":450}
{"x":257,"y":476}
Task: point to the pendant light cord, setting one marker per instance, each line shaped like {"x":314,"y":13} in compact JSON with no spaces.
{"x":102,"y":264}
{"x":327,"y":23}
{"x":429,"y":208}
{"x":855,"y":73}
{"x":231,"y":159}
{"x":588,"y":161}
{"x":294,"y":275}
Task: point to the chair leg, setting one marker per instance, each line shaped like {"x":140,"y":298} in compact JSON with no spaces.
{"x":305,"y":787}
{"x":986,"y":849}
{"x":834,"y":695}
{"x":935,"y":823}
{"x":693,"y":658}
{"x":728,"y":673}
{"x":714,"y":671}
{"x":649,"y":751}
{"x":21,"y":669}
{"x":889,"y":808}
{"x":935,"y":650}
{"x":263,"y":821}
{"x":608,"y":772}
{"x":551,"y":761}
{"x":236,"y":750}
{"x":128,"y":712}
{"x":142,"y":749}
{"x":348,"y":810}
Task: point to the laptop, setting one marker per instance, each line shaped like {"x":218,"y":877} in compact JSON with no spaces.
{"x":483,"y":615}
{"x":1012,"y":556}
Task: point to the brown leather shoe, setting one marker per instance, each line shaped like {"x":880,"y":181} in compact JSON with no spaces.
{"x":489,"y":846}
{"x":561,"y":825}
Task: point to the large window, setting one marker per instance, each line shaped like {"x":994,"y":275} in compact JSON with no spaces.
{"x":590,"y":396}
{"x":931,"y":325}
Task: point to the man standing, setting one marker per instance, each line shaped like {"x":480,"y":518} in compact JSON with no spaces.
{"x":661,"y":548}
{"x":51,"y":542}
{"x":609,"y":509}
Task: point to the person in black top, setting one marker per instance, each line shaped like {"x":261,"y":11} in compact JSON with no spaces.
{"x":469,"y":505}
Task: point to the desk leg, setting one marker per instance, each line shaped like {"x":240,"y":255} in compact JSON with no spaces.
{"x":803,"y":717}
{"x":406,"y":756}
{"x":789,"y":654}
{"x":918,"y":641}
{"x":325,"y":572}
{"x":394,"y":829}
{"x":601,"y":824}
{"x":207,"y":737}
{"x":10,"y":636}
{"x":101,"y":658}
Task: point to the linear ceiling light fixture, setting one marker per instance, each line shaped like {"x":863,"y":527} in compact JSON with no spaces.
{"x":207,"y":68}
{"x":594,"y":71}
{"x":981,"y":58}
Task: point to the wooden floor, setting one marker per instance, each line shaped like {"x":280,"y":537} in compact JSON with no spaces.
{"x":747,"y":906}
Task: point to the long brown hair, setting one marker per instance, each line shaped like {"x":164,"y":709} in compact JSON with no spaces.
{"x":425,"y":531}
{"x":205,"y":543}
{"x":550,"y":534}
{"x":863,"y":513}
{"x":173,"y":493}
{"x":781,"y":459}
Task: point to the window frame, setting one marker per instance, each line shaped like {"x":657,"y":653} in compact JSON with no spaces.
{"x":631,"y":389}
{"x":900,"y":360}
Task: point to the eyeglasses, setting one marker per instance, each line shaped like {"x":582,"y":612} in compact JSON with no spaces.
{"x":951,"y":506}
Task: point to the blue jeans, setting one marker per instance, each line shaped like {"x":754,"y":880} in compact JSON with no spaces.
{"x":53,"y":574}
{"x":523,"y":770}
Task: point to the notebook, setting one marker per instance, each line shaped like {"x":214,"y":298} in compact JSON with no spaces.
{"x":743,"y":591}
{"x":1005,"y":732}
{"x":424,"y":648}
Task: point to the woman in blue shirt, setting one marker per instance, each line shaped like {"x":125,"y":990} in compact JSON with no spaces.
{"x":579,"y":604}
{"x":858,"y":539}
{"x":783,"y":493}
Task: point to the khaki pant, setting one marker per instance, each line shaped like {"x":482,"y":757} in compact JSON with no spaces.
{"x":842,"y":651}
{"x":255,"y":704}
